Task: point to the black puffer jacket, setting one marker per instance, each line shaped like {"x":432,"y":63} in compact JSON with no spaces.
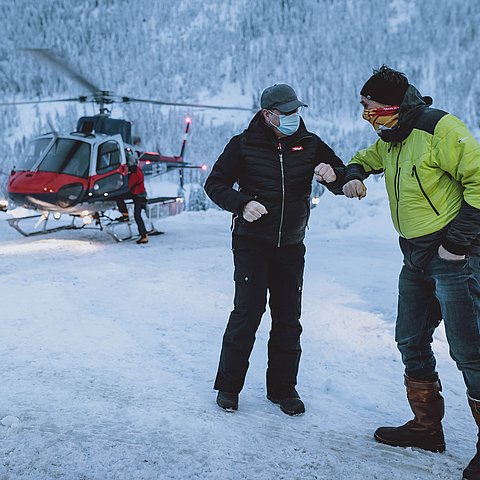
{"x":277,"y":173}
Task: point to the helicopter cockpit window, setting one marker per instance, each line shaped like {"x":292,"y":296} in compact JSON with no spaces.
{"x":71,"y":157}
{"x":35,"y":152}
{"x":108,"y":157}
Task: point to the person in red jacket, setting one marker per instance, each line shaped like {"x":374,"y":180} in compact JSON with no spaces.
{"x":136,"y":186}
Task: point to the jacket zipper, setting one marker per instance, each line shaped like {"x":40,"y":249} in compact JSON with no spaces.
{"x":280,"y":154}
{"x":415,"y":173}
{"x":397,"y":188}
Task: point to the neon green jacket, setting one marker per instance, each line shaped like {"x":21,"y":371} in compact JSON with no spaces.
{"x":433,"y":167}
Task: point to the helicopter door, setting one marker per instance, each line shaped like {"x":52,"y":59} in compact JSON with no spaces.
{"x":110,"y":178}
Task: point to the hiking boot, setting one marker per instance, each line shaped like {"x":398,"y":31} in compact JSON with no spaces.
{"x":142,"y":239}
{"x":227,"y":401}
{"x":472,"y":471}
{"x":289,"y":404}
{"x":425,"y":430}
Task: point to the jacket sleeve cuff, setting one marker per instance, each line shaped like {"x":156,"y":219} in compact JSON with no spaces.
{"x":243,"y":201}
{"x":455,"y":248}
{"x":354,"y":172}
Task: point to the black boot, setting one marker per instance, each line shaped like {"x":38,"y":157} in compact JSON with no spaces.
{"x":227,"y":401}
{"x":425,"y":430}
{"x":472,"y":472}
{"x":289,"y":403}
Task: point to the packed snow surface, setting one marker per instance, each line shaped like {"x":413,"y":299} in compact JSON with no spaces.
{"x":109,"y":352}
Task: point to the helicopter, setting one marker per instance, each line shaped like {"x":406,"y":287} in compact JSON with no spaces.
{"x":83,"y":172}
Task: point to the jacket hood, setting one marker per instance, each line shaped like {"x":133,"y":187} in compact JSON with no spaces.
{"x":412,"y":106}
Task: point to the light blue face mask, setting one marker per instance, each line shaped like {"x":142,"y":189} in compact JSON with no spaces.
{"x":288,"y":123}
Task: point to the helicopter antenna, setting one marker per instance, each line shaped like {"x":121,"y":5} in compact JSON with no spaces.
{"x":188,"y":121}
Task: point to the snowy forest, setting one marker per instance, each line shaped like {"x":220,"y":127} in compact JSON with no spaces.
{"x":226,"y":53}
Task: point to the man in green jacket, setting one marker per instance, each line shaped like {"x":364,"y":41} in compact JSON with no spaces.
{"x":431,"y":164}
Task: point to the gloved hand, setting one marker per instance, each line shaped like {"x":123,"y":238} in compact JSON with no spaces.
{"x":253,"y":210}
{"x":324,"y":173}
{"x":354,"y":188}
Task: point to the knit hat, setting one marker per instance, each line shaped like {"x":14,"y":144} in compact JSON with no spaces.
{"x":280,"y":97}
{"x":386,"y":86}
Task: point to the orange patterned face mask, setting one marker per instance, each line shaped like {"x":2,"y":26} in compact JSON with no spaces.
{"x":382,"y":118}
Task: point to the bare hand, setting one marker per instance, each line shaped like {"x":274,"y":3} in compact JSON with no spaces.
{"x":324,"y":173}
{"x":354,"y":188}
{"x":446,"y":255}
{"x":253,"y":210}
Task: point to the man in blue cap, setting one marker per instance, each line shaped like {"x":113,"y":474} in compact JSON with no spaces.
{"x":273,"y":162}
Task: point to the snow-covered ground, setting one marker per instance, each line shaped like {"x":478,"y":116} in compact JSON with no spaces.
{"x":108,"y":354}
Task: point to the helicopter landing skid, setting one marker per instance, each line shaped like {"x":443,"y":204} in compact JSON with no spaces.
{"x":113,"y":228}
{"x":156,"y":208}
{"x":41,"y":225}
{"x":113,"y":231}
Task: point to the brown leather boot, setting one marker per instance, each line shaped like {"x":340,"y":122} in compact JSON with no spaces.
{"x":143,"y":239}
{"x":472,"y":472}
{"x":425,"y":430}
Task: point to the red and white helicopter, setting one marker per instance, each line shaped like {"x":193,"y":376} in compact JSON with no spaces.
{"x":82,"y":173}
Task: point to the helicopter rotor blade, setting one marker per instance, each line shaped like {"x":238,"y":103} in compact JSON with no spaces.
{"x":32,"y":102}
{"x":193,"y":105}
{"x":49,"y":56}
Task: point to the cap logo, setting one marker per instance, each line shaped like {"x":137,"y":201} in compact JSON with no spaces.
{"x":298,"y":148}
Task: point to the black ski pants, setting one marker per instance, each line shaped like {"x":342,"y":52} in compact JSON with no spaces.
{"x":139,"y":203}
{"x":260,"y":268}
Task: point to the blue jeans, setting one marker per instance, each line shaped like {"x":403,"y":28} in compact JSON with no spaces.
{"x":449,"y":290}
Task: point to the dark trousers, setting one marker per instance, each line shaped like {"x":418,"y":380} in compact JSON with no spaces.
{"x":449,"y":290}
{"x":139,"y":203}
{"x":260,"y":268}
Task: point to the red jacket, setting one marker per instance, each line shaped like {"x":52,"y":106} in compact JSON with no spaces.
{"x":136,"y":183}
